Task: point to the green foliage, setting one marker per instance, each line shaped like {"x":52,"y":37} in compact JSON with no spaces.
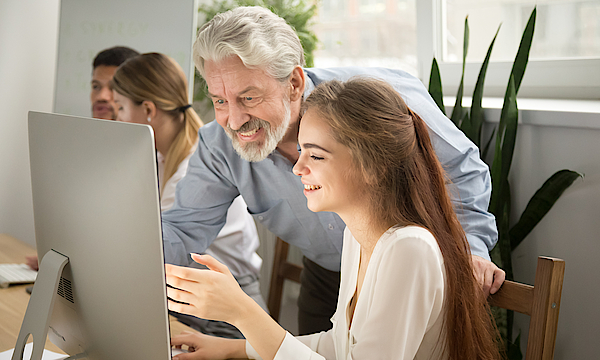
{"x":541,"y":203}
{"x":505,"y":138}
{"x":435,"y":86}
{"x":297,"y":13}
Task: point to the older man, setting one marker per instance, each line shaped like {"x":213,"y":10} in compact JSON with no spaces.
{"x":252,"y":62}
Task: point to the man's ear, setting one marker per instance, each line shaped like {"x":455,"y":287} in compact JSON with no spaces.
{"x":297,"y":83}
{"x":149,"y":108}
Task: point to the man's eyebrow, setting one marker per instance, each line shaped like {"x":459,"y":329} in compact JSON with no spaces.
{"x":249,"y":88}
{"x":315,"y":146}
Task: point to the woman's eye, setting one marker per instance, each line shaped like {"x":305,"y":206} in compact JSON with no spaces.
{"x":316,"y":157}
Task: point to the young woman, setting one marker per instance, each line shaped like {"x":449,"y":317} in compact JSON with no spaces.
{"x":407,"y":287}
{"x":152,"y":89}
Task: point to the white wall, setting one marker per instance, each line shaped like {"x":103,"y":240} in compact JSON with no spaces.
{"x":28,"y":43}
{"x":548,"y":142}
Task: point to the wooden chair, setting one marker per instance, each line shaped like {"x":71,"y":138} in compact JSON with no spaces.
{"x":282,"y":270}
{"x":541,"y":302}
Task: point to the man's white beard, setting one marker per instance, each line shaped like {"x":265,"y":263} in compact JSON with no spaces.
{"x":258,"y":151}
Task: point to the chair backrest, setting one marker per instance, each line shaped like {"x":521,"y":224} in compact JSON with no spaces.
{"x":541,"y":302}
{"x":282,"y":270}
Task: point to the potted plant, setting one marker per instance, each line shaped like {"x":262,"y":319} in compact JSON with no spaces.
{"x":470,"y":121}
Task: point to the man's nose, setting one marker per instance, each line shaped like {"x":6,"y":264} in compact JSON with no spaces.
{"x":237,"y":117}
{"x":106,"y":93}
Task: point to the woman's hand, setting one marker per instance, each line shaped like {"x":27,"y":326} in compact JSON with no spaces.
{"x":206,"y":347}
{"x":211,"y":294}
{"x":214,"y":294}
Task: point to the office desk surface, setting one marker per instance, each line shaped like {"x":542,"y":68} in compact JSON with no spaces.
{"x":14,"y":299}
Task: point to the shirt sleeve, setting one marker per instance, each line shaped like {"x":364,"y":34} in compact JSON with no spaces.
{"x":307,"y":347}
{"x":405,"y":302}
{"x":199,"y":211}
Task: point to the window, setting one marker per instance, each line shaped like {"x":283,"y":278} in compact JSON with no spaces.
{"x":367,"y":33}
{"x":565,"y":54}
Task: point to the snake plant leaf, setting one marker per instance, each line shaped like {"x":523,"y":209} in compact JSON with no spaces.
{"x":465,"y":125}
{"x":510,"y":113}
{"x":486,"y":149}
{"x":505,"y":146}
{"x":541,"y":202}
{"x":502,"y":221}
{"x":457,"y":112}
{"x":476,"y":109}
{"x":435,"y":86}
{"x":522,"y":58}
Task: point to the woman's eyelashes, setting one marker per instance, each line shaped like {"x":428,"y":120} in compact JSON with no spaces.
{"x":314,"y":157}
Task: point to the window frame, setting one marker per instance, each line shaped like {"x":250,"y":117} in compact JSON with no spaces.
{"x":555,"y":79}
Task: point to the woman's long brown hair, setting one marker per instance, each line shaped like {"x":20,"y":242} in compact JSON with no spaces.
{"x":391,"y":147}
{"x":156,"y":77}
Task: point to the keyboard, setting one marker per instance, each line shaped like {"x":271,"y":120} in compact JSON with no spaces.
{"x":16,"y":274}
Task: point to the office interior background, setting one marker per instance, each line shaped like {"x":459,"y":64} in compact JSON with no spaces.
{"x":559,"y":114}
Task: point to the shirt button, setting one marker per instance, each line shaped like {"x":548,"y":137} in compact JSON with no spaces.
{"x":261,"y":218}
{"x":330,"y":227}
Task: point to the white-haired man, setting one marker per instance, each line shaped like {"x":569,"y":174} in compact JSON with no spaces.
{"x":252,"y":63}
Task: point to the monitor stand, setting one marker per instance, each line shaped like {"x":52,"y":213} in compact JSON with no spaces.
{"x":41,"y":303}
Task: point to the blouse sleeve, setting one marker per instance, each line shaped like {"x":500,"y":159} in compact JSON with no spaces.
{"x":307,"y":347}
{"x":406,"y":300}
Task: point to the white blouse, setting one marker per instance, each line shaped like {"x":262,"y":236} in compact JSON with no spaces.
{"x":237,"y":242}
{"x":398,"y":314}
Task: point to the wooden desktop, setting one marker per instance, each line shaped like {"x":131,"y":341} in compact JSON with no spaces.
{"x":14,"y":299}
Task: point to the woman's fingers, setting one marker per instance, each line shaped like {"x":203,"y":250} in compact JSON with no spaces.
{"x":185,"y":338}
{"x":181,"y":295}
{"x":210,"y":262}
{"x":184,"y":308}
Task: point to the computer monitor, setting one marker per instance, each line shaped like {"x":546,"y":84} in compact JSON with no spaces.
{"x":96,"y":202}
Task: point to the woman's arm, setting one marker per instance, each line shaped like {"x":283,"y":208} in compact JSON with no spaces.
{"x":214,"y":294}
{"x":205,"y":347}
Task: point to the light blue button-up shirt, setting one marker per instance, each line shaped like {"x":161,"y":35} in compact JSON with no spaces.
{"x":274,"y":195}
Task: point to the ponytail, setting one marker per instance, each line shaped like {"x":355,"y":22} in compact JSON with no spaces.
{"x":183,"y":143}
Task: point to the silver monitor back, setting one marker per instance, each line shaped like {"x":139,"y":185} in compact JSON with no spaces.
{"x":95,"y":199}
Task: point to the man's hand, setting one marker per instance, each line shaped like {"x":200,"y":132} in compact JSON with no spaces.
{"x":488,"y":275}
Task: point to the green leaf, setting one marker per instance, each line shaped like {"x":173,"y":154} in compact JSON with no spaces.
{"x":476,"y":109}
{"x":465,"y":125}
{"x":505,"y":144}
{"x":435,"y":86}
{"x":541,"y":202}
{"x":510,"y":117}
{"x":502,"y":221}
{"x":457,"y":112}
{"x":487,"y":146}
{"x":520,"y":63}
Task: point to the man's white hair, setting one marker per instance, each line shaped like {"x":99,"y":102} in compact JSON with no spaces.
{"x":258,"y":37}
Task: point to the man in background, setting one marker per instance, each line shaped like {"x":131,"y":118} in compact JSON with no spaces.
{"x":105,"y":64}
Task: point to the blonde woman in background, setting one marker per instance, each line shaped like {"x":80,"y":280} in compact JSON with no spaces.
{"x":152,"y":89}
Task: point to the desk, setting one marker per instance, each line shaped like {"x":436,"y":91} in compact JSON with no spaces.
{"x":14,"y":299}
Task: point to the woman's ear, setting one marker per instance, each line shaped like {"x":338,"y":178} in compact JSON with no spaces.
{"x":297,"y":83}
{"x":149,"y":108}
